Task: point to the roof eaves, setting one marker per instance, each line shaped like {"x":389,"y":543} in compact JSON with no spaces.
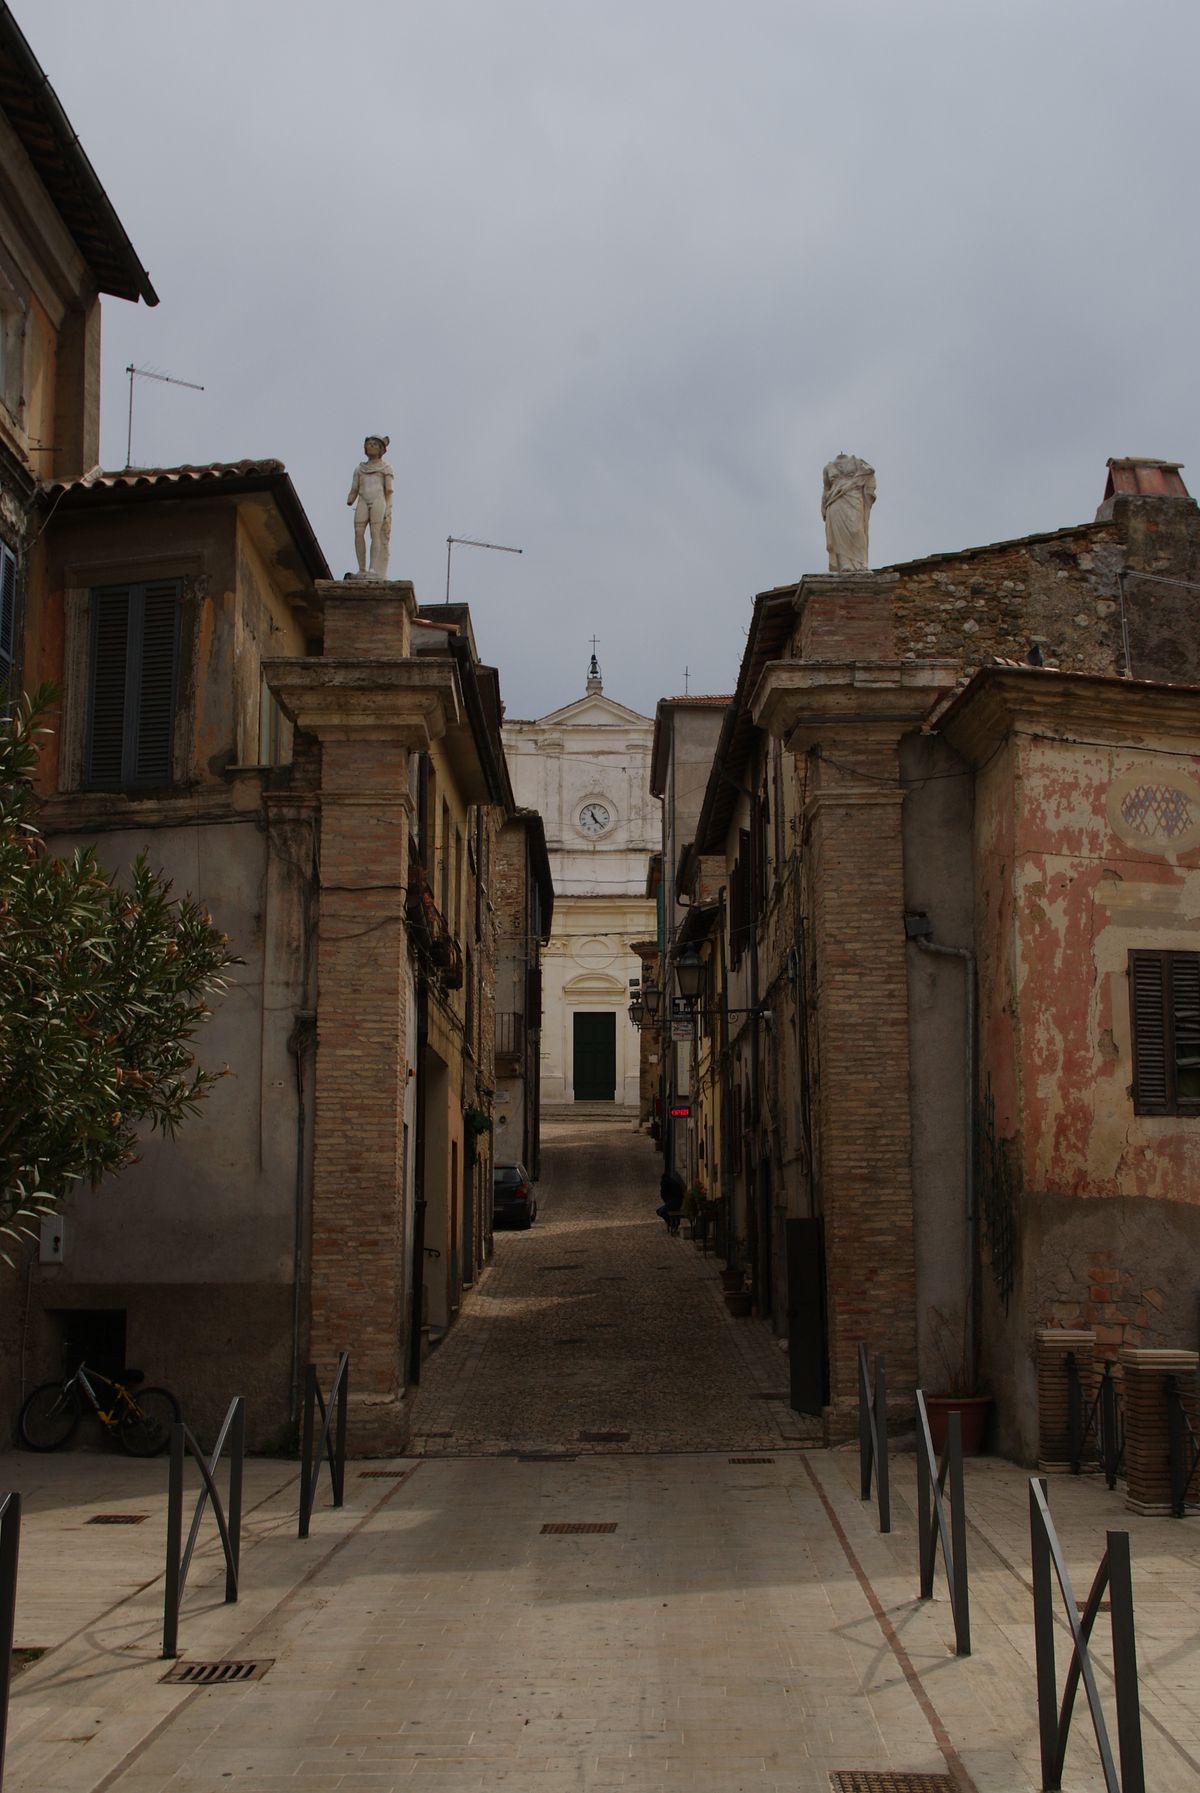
{"x":225,"y":479}
{"x":50,"y":141}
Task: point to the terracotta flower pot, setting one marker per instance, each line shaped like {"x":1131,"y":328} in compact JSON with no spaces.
{"x":738,"y":1302}
{"x":972,"y":1411}
{"x":732,"y":1279}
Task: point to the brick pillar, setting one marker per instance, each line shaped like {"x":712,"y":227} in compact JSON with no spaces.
{"x":862,"y":1051}
{"x":1147,"y":1459}
{"x":1054,"y":1344}
{"x":843,"y":705}
{"x":370,"y":704}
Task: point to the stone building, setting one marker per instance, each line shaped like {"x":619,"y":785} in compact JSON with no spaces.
{"x":61,"y":246}
{"x":524,"y":901}
{"x":685,"y":737}
{"x":585,"y":769}
{"x":318,"y":763}
{"x":954,"y":805}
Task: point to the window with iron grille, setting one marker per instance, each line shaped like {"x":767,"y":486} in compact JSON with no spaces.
{"x":8,"y":621}
{"x":1164,"y":1000}
{"x":132,"y":676}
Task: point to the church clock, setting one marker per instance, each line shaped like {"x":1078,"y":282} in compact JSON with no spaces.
{"x":594,"y":818}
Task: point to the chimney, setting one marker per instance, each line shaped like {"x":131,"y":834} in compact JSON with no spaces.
{"x":1136,"y":476}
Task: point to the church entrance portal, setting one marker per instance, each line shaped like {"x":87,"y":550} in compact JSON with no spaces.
{"x":594,"y":1069}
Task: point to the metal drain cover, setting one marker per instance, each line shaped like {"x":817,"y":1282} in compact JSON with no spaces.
{"x":383,"y":1475}
{"x":874,"y":1780}
{"x":572,"y":1525}
{"x":604,"y":1437}
{"x":116,"y":1518}
{"x":543,"y":1268}
{"x":752,"y":1459}
{"x":217,"y":1674}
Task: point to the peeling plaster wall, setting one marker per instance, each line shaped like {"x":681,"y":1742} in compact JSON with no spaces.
{"x":1074,"y":869}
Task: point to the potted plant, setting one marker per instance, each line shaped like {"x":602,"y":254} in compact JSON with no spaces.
{"x":950,"y":1338}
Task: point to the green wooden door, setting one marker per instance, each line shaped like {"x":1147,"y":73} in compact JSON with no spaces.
{"x":595,"y":1068}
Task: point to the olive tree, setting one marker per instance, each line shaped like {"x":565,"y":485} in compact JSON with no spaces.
{"x":103,"y":989}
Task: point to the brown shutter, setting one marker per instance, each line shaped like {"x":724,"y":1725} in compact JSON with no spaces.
{"x":1185,"y":1029}
{"x":1148,"y":1011}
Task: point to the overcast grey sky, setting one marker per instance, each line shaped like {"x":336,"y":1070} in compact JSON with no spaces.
{"x":619,"y":276}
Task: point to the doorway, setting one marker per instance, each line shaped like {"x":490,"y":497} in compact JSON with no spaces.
{"x":594,"y":1066}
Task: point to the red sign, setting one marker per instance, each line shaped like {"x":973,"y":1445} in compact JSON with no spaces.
{"x":682,"y":1113}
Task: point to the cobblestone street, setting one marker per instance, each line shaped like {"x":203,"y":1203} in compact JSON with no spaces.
{"x":597,"y":1321}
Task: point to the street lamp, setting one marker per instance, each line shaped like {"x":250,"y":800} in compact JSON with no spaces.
{"x":689,"y":975}
{"x":651,"y":998}
{"x":637,"y":1009}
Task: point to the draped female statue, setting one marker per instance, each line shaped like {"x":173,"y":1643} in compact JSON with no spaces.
{"x":849,"y":493}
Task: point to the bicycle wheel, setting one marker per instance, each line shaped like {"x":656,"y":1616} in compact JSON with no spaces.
{"x":49,"y":1416}
{"x":145,"y":1428}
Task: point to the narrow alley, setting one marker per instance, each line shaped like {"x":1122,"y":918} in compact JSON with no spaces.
{"x":598,"y":1331}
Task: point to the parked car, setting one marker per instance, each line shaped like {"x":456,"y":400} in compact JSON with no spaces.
{"x":513,"y":1200}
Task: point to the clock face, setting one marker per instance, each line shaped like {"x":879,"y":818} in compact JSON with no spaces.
{"x":594,"y":818}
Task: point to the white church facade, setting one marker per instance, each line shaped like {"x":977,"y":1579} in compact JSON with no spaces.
{"x":586,"y":769}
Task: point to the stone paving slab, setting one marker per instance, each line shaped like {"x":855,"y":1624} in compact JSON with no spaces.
{"x":743,"y":1625}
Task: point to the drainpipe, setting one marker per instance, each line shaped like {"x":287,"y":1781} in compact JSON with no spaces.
{"x":918,"y":929}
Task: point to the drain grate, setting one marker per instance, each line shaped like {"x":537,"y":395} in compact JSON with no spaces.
{"x":117,"y":1518}
{"x":217,"y":1674}
{"x":544,"y":1268}
{"x":560,"y":1526}
{"x":604,"y":1437}
{"x":873,"y":1780}
{"x":382,"y":1475}
{"x":752,"y":1459}
{"x":572,"y":1341}
{"x":544,"y":1456}
{"x":770,"y":1395}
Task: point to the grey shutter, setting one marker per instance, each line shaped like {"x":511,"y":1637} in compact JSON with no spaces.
{"x":1148,"y":1011}
{"x":154,"y":725}
{"x":132,"y":677}
{"x":109,"y":651}
{"x":1185,"y":1029}
{"x":8,"y":611}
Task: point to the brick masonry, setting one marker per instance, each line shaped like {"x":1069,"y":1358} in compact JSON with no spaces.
{"x":1054,"y":1345}
{"x":1147,"y":1450}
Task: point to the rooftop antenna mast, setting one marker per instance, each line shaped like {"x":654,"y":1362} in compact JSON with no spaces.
{"x":467,"y":541}
{"x":148,"y":373}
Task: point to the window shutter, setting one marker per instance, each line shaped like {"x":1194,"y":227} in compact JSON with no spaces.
{"x":154,"y":724}
{"x":104,"y":753}
{"x":533,"y":999}
{"x":8,"y":611}
{"x":1185,"y":1027}
{"x":1148,"y":1009}
{"x":131,"y":712}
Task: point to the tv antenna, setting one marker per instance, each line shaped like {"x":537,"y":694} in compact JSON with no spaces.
{"x":467,"y":541}
{"x":148,"y":373}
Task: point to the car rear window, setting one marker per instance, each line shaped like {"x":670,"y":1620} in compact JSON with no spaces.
{"x":507,"y":1176}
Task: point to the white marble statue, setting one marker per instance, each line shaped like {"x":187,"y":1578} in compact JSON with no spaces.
{"x":846,"y":500}
{"x":371,"y":493}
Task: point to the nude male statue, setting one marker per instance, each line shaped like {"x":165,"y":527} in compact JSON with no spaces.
{"x":371,"y":493}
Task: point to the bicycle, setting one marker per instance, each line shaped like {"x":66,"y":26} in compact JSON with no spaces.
{"x":141,"y":1422}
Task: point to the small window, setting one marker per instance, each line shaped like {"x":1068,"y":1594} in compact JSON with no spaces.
{"x":134,"y":651}
{"x":1164,"y":996}
{"x":8,"y":621}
